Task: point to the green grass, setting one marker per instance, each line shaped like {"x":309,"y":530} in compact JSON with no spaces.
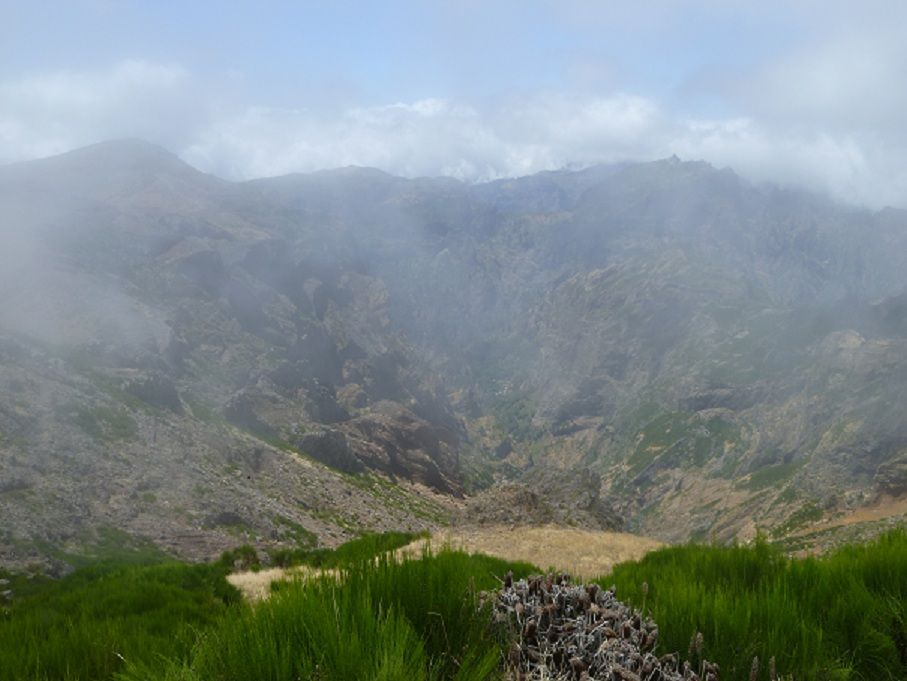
{"x":362,"y":549}
{"x":837,"y":617}
{"x":84,"y":626}
{"x":390,"y":620}
{"x":127,"y":604}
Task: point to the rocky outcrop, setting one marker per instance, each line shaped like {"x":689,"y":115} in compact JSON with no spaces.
{"x":243,"y":410}
{"x":331,"y":448}
{"x":576,"y":496}
{"x":155,"y":389}
{"x":545,"y":496}
{"x":393,"y":440}
{"x":734,"y":398}
{"x":508,"y":503}
{"x":891,"y":477}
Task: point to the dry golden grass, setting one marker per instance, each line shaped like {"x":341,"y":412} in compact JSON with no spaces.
{"x":582,"y":553}
{"x":256,"y":586}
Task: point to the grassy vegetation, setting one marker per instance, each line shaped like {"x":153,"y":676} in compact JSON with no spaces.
{"x":393,"y":496}
{"x":355,"y":551}
{"x":108,"y":546}
{"x":807,"y":513}
{"x":408,"y":620}
{"x":86,"y":625}
{"x":770,"y":475}
{"x":104,"y":424}
{"x":842,"y":616}
{"x":513,"y":412}
{"x":388,"y":620}
{"x":683,"y":436}
{"x":296,"y":532}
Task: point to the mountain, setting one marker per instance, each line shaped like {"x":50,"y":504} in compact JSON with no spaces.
{"x":197,"y":363}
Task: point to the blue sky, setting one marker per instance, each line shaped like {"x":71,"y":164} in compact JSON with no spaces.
{"x":805,"y":92}
{"x":379,"y":52}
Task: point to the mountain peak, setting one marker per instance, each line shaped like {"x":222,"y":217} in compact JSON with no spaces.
{"x":108,"y":168}
{"x":122,"y":154}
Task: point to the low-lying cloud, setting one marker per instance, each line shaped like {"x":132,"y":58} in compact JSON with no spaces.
{"x":51,"y":113}
{"x":779,"y":132}
{"x":433,"y":137}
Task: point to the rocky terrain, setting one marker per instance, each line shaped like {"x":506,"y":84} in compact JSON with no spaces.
{"x":192,"y":363}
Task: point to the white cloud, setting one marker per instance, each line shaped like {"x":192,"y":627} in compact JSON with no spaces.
{"x":433,"y":137}
{"x":51,"y":113}
{"x":827,"y":118}
{"x":819,"y":161}
{"x":849,"y":82}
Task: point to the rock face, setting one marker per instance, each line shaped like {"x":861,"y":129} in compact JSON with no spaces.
{"x":168,"y":356}
{"x":395,"y":441}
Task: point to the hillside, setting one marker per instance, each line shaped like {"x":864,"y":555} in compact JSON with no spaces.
{"x":198,"y":363}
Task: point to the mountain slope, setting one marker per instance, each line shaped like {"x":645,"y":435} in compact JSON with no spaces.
{"x":200,"y":363}
{"x":170,"y":369}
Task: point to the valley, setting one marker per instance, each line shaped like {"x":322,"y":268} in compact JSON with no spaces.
{"x":663,"y":348}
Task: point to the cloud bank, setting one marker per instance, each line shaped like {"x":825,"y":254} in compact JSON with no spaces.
{"x":827,"y":117}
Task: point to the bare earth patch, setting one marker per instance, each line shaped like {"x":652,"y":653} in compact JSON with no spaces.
{"x":582,"y":553}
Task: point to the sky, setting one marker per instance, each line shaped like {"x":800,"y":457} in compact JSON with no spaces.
{"x":799,"y":92}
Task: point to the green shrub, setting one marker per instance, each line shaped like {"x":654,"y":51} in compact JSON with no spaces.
{"x":243,"y":557}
